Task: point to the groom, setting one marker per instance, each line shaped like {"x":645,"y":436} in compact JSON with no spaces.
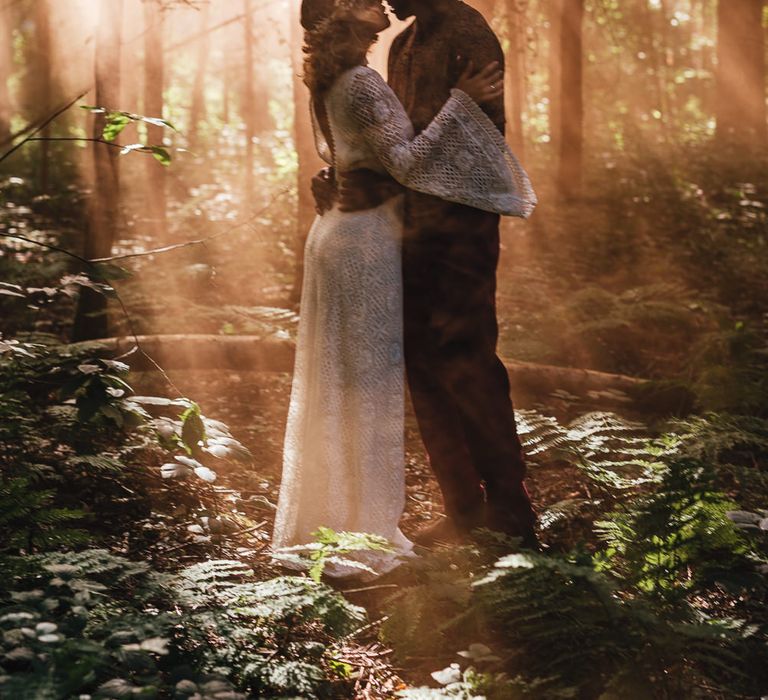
{"x":459,"y":387}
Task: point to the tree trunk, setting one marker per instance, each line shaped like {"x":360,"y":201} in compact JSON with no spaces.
{"x":514,"y":78}
{"x":309,"y":162}
{"x":571,"y":147}
{"x":154,"y":78}
{"x":484,"y":7}
{"x":91,"y":319}
{"x":6,"y":70}
{"x":131,"y":64}
{"x":248,"y":105}
{"x":741,"y":74}
{"x":226,"y":95}
{"x":555,"y":16}
{"x":44,"y":84}
{"x":197,"y":110}
{"x":272,"y":354}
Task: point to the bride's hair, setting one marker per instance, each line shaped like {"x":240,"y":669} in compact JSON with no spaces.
{"x":334,"y":41}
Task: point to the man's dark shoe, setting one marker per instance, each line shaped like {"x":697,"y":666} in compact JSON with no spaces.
{"x":441,"y":531}
{"x":502,"y":518}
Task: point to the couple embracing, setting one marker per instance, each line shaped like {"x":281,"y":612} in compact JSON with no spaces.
{"x":399,"y":281}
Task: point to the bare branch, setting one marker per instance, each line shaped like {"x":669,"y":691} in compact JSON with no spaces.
{"x":198,"y":241}
{"x":42,"y":126}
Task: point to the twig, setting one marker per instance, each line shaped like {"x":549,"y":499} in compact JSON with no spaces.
{"x":50,"y":246}
{"x":251,"y":529}
{"x":370,"y":588}
{"x":199,"y":241}
{"x":92,"y":264}
{"x":367,"y":627}
{"x":143,"y":149}
{"x":43,"y":125}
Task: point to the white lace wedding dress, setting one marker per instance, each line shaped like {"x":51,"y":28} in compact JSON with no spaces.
{"x":343,"y":463}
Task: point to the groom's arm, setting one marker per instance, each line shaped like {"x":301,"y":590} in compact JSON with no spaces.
{"x":474,"y":40}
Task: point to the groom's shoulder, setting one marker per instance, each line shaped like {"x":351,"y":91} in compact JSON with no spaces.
{"x":470,"y":27}
{"x":400,"y":39}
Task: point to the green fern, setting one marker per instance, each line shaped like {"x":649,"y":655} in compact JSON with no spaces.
{"x":735,"y":446}
{"x":611,"y":450}
{"x":116,"y":625}
{"x":678,"y":538}
{"x":29,"y":519}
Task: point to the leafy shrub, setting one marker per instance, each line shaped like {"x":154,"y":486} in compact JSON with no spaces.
{"x":671,"y":603}
{"x":96,"y":623}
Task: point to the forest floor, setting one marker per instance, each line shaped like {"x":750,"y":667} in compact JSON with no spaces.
{"x":254,"y":405}
{"x":629,"y":322}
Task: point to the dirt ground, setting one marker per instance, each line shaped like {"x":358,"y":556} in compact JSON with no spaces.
{"x":254,"y":406}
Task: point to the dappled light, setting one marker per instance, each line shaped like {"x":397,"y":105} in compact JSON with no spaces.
{"x":156,"y":198}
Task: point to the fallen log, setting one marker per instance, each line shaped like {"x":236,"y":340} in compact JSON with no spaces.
{"x":244,"y":353}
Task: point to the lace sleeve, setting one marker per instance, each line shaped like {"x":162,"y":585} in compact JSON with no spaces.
{"x":460,"y":156}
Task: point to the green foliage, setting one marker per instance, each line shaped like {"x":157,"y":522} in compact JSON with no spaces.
{"x":672,"y":603}
{"x":736,"y":448}
{"x":29,"y":519}
{"x":331,"y":547}
{"x":611,"y":450}
{"x":679,"y":539}
{"x":94,"y":622}
{"x":116,"y":121}
{"x":71,"y":432}
{"x":730,"y":370}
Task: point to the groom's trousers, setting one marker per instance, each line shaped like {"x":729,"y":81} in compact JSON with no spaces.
{"x":459,"y":387}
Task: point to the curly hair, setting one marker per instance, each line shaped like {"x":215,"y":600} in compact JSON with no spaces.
{"x":334,"y":41}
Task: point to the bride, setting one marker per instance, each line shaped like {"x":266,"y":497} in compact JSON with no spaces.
{"x":343,"y":462}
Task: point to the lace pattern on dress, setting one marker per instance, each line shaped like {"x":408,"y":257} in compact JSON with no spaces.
{"x":460,"y":156}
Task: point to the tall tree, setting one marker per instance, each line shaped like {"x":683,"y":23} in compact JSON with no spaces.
{"x":248,"y":102}
{"x":6,"y":70}
{"x":571,"y":139}
{"x":197,"y":109}
{"x":485,"y":7}
{"x":154,"y":78}
{"x":308,"y":161}
{"x":43,"y":68}
{"x":131,"y":64}
{"x":741,"y":73}
{"x":555,"y":19}
{"x":514,"y":76}
{"x":91,"y":318}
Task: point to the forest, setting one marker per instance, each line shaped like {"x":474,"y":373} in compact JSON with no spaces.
{"x":155,"y":168}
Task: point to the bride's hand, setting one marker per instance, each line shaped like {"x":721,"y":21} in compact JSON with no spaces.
{"x":483,"y":86}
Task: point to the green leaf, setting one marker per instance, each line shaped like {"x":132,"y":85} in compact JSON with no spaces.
{"x":205,"y":474}
{"x":192,"y":429}
{"x":116,"y":122}
{"x":161,"y":155}
{"x":159,"y":122}
{"x":130,"y":147}
{"x":174,"y":470}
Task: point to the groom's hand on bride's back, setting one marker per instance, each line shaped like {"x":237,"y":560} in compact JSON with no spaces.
{"x":324,"y":190}
{"x":365,"y":189}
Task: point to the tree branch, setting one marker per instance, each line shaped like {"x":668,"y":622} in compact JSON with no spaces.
{"x":198,"y":241}
{"x":43,"y":125}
